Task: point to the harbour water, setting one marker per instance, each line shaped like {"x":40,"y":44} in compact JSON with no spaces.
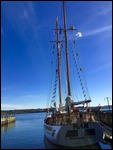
{"x":27,"y":133}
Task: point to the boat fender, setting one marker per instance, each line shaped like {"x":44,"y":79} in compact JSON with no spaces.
{"x":75,"y":120}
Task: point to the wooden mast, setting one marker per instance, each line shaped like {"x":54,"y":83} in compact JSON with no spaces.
{"x":66,"y":47}
{"x":58,"y":54}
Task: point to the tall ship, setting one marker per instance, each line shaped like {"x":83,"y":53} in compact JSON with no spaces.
{"x":66,"y":125}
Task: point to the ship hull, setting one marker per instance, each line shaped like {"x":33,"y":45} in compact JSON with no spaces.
{"x":74,"y":135}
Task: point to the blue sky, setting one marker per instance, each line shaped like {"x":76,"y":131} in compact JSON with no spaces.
{"x":26,"y":53}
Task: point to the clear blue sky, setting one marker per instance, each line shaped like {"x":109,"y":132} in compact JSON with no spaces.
{"x":26,"y":29}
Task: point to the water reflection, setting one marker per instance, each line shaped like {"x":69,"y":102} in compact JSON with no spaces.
{"x":49,"y":145}
{"x":7,"y":127}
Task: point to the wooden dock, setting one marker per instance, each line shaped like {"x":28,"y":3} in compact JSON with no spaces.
{"x":7,"y":119}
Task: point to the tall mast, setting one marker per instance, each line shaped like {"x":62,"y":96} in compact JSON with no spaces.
{"x":66,"y":47}
{"x":58,"y":54}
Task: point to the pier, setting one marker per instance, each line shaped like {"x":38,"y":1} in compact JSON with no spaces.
{"x":105,"y":120}
{"x":107,"y":133}
{"x":7,"y":119}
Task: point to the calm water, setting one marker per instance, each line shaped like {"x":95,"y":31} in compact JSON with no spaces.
{"x":27,"y":133}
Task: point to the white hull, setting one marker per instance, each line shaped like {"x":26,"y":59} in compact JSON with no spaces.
{"x":70,"y":135}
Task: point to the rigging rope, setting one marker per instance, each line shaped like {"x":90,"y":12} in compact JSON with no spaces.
{"x":79,"y":70}
{"x":77,"y":88}
{"x":83,"y":75}
{"x":52,"y":69}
